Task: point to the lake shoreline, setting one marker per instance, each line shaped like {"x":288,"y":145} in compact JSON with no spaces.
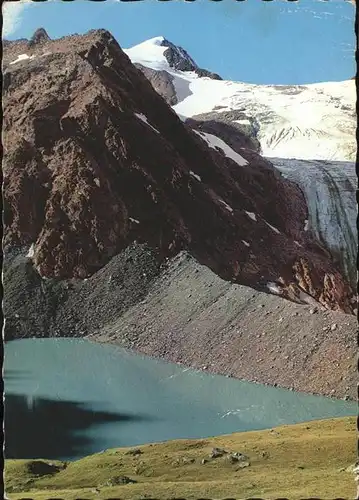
{"x":182,"y":312}
{"x":192,"y":317}
{"x":97,"y":339}
{"x":80,"y":397}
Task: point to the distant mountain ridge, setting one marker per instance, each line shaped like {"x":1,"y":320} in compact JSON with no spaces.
{"x":314,"y":121}
{"x":159,"y":53}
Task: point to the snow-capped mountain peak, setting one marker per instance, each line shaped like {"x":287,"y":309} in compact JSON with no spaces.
{"x":160,"y":54}
{"x":178,"y":58}
{"x":149,"y":53}
{"x":314,"y":121}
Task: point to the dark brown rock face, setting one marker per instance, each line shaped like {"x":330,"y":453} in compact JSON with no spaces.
{"x":95,"y":159}
{"x":40,"y":36}
{"x":162,"y":82}
{"x":222,"y":125}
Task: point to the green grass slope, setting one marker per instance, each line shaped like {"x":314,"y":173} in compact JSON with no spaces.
{"x":296,"y":461}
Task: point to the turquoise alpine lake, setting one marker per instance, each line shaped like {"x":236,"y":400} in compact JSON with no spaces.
{"x":65,"y":399}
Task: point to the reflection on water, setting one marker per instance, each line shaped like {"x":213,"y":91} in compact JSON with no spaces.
{"x":69,"y":398}
{"x":52,"y":429}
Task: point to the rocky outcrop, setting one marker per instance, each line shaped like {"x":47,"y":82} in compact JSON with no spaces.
{"x":39,"y":307}
{"x":180,"y":60}
{"x":233,"y":127}
{"x":14,"y":48}
{"x":162,"y":82}
{"x":95,"y":159}
{"x":39,"y":37}
{"x":329,"y":187}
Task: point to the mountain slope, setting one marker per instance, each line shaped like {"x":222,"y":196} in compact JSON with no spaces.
{"x":103,"y":161}
{"x":314,"y":122}
{"x":182,"y":312}
{"x":190,"y":316}
{"x":329,"y":188}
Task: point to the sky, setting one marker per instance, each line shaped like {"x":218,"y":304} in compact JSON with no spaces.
{"x":278,"y":42}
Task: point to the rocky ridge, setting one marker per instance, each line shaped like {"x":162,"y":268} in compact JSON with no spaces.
{"x":103,"y":161}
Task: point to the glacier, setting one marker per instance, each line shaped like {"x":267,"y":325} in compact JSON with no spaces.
{"x":329,"y":189}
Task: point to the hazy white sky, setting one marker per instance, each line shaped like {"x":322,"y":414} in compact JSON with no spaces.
{"x":12,"y":15}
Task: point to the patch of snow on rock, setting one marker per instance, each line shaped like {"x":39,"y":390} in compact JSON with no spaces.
{"x":230,"y":209}
{"x":195,"y":176}
{"x":215,"y":142}
{"x":181,"y":85}
{"x":273,"y":287}
{"x":31,"y":252}
{"x":242,"y":122}
{"x":22,"y":57}
{"x":272,"y":227}
{"x":252,"y":216}
{"x":182,"y":118}
{"x":144,"y":119}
